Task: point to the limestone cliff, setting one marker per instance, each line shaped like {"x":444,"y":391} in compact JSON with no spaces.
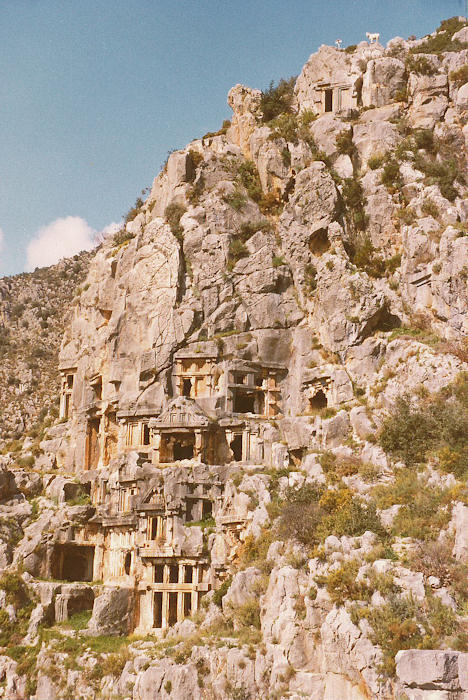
{"x":260,"y":468}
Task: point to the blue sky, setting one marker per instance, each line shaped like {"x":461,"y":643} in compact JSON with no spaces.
{"x":93,"y":93}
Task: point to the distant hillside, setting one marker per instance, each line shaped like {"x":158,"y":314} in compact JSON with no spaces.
{"x":33,"y":310}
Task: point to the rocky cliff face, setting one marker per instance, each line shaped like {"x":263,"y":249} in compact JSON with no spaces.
{"x":262,"y":460}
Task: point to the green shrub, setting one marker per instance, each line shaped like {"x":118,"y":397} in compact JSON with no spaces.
{"x":430,"y":208}
{"x":365,"y":257}
{"x":404,"y":623}
{"x":391,"y":176}
{"x":80,"y":499}
{"x":219,"y":594}
{"x":237,"y":250}
{"x":353,"y":519}
{"x":311,"y":513}
{"x":424,"y":138}
{"x":284,"y":126}
{"x":345,"y":144}
{"x":255,"y":550}
{"x":421,"y":65}
{"x":248,"y":228}
{"x":443,"y":174}
{"x":443,"y":39}
{"x":437,"y":425}
{"x":460,"y":76}
{"x":173,"y":215}
{"x":424,"y":509}
{"x":248,"y":614}
{"x":250,"y":179}
{"x":220,"y":132}
{"x":354,"y":203}
{"x":341,"y":583}
{"x":237,"y":199}
{"x":434,"y":558}
{"x":310,"y":277}
{"x":277,"y":99}
{"x":122,"y":237}
{"x":134,"y":211}
{"x":376,"y":161}
{"x":196,"y":157}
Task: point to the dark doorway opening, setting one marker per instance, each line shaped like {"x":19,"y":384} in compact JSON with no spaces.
{"x":182,"y":451}
{"x":236,"y":447}
{"x":127,"y":563}
{"x":154,"y":528}
{"x":187,"y":604}
{"x":207,"y":509}
{"x":157,"y":610}
{"x":186,"y":387}
{"x":190,"y":505}
{"x":244,"y":402}
{"x":77,"y":564}
{"x":92,"y":452}
{"x":328,"y":100}
{"x":318,"y":401}
{"x":146,"y":434}
{"x":159,"y":573}
{"x":188,"y":574}
{"x":173,"y":573}
{"x":172,"y":608}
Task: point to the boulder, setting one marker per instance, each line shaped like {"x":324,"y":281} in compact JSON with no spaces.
{"x":113,"y":612}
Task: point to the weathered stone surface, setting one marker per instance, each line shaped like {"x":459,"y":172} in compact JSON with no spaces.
{"x":112,"y":612}
{"x":383,"y":80}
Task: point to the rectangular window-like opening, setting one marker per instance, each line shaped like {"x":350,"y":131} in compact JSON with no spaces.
{"x":172,"y":608}
{"x":328,"y":100}
{"x":97,"y":389}
{"x":236,"y":447}
{"x":244,"y":402}
{"x":183,"y":451}
{"x":153,"y":528}
{"x":92,"y":451}
{"x":70,"y":378}
{"x":186,"y":387}
{"x":67,"y":406}
{"x":173,"y":573}
{"x":159,"y":573}
{"x":77,"y":564}
{"x":207,"y":509}
{"x":187,"y":604}
{"x":188,"y":576}
{"x":239,"y":378}
{"x":157,"y":609}
{"x":190,"y":505}
{"x":146,"y":434}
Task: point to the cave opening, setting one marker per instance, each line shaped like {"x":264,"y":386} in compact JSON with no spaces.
{"x":318,"y":401}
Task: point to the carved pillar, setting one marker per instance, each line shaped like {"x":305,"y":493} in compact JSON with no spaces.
{"x":156,"y":447}
{"x":198,"y":447}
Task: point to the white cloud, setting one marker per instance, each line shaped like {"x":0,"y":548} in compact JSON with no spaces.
{"x":60,"y":239}
{"x":107,"y":231}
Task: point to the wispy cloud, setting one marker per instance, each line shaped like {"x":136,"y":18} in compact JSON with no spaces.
{"x":59,"y":239}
